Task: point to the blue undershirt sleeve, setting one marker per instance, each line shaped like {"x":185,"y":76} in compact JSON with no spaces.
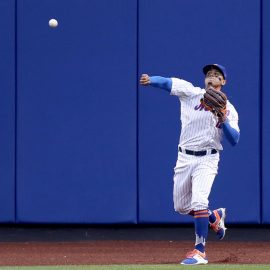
{"x":161,"y":82}
{"x":231,"y":134}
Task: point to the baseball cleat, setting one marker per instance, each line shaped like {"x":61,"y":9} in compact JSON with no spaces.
{"x":195,"y":257}
{"x":219,"y":225}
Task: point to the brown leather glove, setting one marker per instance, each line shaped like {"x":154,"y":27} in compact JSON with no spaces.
{"x":215,"y":101}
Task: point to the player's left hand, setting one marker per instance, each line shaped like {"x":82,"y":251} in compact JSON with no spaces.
{"x":222,"y":116}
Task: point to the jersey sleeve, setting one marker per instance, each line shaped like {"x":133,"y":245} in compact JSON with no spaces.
{"x":182,"y":88}
{"x":232,"y":116}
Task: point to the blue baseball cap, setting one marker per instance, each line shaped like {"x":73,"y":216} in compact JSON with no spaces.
{"x":216,"y":66}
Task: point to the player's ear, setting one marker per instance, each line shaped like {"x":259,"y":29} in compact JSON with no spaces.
{"x":223,"y":82}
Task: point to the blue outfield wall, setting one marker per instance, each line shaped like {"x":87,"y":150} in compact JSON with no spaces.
{"x":77,"y":112}
{"x":177,"y":39}
{"x":7,"y":111}
{"x":265,"y":113}
{"x":90,"y":145}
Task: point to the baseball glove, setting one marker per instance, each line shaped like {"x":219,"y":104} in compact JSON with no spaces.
{"x":215,"y":101}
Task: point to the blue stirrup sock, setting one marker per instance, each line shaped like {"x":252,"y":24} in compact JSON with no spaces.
{"x":201,"y":222}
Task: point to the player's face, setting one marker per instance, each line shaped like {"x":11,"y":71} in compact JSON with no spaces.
{"x":214,"y":78}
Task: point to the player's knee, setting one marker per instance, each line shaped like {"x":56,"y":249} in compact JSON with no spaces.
{"x":182,"y":209}
{"x":199,"y":205}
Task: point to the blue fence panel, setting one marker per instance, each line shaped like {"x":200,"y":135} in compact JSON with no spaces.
{"x":77,"y":112}
{"x":76,"y":107}
{"x":176,"y":39}
{"x":265,"y":114}
{"x":7,"y":111}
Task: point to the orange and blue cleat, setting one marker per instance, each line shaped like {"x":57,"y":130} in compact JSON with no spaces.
{"x":195,"y":257}
{"x":219,"y":225}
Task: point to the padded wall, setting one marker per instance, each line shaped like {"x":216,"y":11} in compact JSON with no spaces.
{"x":77,"y":112}
{"x":176,"y":39}
{"x":266,"y":113}
{"x":7,"y":111}
{"x":76,"y":134}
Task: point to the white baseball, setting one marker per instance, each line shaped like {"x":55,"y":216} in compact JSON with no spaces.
{"x":53,"y":23}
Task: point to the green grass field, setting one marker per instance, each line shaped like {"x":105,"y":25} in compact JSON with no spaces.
{"x":142,"y":267}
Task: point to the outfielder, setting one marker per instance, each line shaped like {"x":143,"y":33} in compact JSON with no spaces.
{"x":206,"y":115}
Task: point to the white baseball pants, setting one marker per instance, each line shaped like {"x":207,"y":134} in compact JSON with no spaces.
{"x":193,"y":180}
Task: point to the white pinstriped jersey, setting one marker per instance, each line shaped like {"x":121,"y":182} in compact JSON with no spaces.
{"x":200,"y":129}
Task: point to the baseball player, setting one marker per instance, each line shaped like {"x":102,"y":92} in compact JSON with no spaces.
{"x":198,"y":151}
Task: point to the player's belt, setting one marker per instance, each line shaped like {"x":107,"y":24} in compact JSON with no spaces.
{"x":197,"y":153}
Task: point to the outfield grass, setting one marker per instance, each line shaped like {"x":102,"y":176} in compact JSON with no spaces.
{"x":143,"y":267}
